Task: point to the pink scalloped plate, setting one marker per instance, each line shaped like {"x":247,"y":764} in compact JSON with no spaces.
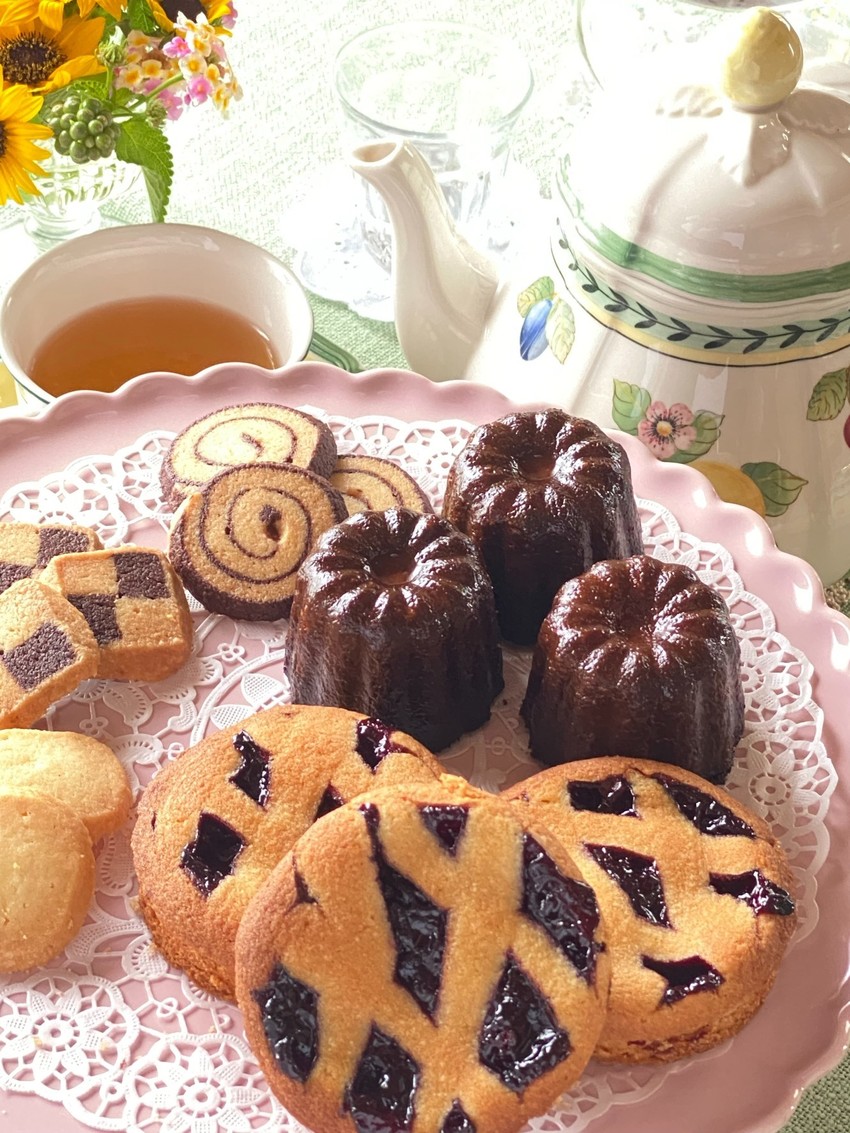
{"x":807,"y":1016}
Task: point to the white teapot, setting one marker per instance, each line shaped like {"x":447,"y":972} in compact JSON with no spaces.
{"x":693,"y":289}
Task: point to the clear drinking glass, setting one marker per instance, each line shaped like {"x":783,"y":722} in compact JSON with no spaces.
{"x":453,"y":90}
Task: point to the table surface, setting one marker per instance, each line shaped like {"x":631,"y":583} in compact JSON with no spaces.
{"x":245,"y":174}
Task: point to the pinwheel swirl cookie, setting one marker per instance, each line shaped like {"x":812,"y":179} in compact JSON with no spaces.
{"x":213,"y":824}
{"x":244,"y":434}
{"x":370,"y":483}
{"x":695,"y":891}
{"x":424,"y":959}
{"x":238,"y":544}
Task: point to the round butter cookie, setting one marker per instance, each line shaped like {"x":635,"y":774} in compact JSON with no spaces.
{"x":695,"y":891}
{"x":370,"y":483}
{"x":47,"y":879}
{"x":213,"y":824}
{"x":77,"y":770}
{"x":424,"y":959}
{"x":238,"y":544}
{"x":244,"y":434}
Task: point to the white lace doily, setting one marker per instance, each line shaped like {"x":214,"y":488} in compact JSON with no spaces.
{"x":125,"y":1043}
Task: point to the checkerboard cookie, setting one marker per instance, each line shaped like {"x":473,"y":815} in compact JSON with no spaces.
{"x":47,"y":879}
{"x":244,"y":434}
{"x":694,"y":889}
{"x":425,"y":958}
{"x":46,"y":649}
{"x":213,"y":824}
{"x":76,"y":770}
{"x":27,"y":548}
{"x":135,"y":606}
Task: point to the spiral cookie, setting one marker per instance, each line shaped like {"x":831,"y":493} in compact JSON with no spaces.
{"x":369,"y":483}
{"x":422,"y":960}
{"x":244,"y":434}
{"x":694,"y":891}
{"x":214,"y":823}
{"x":238,"y":544}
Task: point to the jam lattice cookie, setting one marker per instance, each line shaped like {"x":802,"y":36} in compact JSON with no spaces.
{"x":244,"y":434}
{"x":27,"y":548}
{"x":213,"y":824}
{"x":695,"y":892}
{"x":238,"y":544}
{"x":46,"y":650}
{"x":423,"y":959}
{"x":370,"y":483}
{"x":135,"y":607}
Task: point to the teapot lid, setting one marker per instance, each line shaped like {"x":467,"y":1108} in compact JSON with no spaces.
{"x":736,"y":188}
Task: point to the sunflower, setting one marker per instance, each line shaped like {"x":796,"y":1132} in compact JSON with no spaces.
{"x":51,"y":12}
{"x":44,"y":58}
{"x":166,"y":11}
{"x":19,"y":156}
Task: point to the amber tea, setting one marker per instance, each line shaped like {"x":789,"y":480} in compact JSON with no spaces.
{"x":105,"y":346}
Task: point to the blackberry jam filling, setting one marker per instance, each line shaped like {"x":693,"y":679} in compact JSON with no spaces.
{"x":755,"y":890}
{"x":707,"y":814}
{"x":446,"y":823}
{"x":373,"y":741}
{"x":289,"y":1011}
{"x":639,"y":879}
{"x":520,"y":1038}
{"x":684,"y":977}
{"x":457,"y":1120}
{"x":613,"y":795}
{"x":331,"y":800}
{"x":418,"y":926}
{"x":252,"y":774}
{"x":381,"y":1096}
{"x":211,"y":856}
{"x":564,"y":908}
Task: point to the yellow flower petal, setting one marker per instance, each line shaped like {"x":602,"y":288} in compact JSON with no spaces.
{"x":20,"y":158}
{"x":51,"y":12}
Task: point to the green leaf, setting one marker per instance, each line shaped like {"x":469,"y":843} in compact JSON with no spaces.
{"x":542,"y":288}
{"x":707,"y":427}
{"x":829,"y":395}
{"x":629,"y":406}
{"x":779,"y":487}
{"x":140,"y":16}
{"x":561,"y":329}
{"x":89,"y":85}
{"x":144,"y":145}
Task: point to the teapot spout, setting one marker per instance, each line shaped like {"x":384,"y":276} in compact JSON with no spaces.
{"x":442,"y":286}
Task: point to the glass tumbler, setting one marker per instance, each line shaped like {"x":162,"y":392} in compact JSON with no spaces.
{"x":454,"y":91}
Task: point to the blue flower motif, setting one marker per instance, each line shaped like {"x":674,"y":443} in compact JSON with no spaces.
{"x":532,"y":336}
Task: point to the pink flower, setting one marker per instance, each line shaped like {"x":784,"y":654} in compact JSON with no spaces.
{"x":176,"y":48}
{"x":665,"y":430}
{"x":174,"y":103}
{"x":200,"y":88}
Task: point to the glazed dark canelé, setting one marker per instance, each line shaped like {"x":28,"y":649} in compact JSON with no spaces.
{"x":543,"y":495}
{"x":394,"y":616}
{"x":638,"y":658}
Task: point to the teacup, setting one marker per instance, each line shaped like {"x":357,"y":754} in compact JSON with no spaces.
{"x":141,"y":263}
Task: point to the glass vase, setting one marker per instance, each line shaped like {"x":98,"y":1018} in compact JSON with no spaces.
{"x":72,"y":195}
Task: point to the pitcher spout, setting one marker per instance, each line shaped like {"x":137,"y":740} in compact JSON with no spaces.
{"x":442,"y":287}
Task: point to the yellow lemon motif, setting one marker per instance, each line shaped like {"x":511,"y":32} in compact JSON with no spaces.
{"x":731,"y":484}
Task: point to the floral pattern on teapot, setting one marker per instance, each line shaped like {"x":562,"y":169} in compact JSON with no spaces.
{"x":829,"y":397}
{"x":678,"y":434}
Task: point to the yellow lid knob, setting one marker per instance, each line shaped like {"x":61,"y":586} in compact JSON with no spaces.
{"x":765,"y":64}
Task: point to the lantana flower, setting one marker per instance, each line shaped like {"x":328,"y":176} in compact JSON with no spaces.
{"x":666,"y":431}
{"x":201,"y":57}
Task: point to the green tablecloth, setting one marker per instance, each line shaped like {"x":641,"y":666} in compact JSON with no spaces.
{"x":244,"y":174}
